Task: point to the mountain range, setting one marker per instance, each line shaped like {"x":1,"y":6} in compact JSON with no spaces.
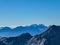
{"x":32,"y":29}
{"x":50,"y":36}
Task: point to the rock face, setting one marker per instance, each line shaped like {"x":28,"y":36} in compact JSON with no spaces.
{"x":19,"y":40}
{"x":49,"y":37}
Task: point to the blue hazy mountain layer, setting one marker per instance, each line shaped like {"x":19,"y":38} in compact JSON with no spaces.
{"x":32,"y":29}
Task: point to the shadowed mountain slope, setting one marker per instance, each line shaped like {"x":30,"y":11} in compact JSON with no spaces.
{"x":49,"y":37}
{"x":19,"y":40}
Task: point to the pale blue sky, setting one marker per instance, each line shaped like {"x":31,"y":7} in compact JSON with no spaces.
{"x":26,"y":12}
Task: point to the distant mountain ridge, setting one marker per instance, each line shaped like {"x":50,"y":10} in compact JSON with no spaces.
{"x":32,"y":29}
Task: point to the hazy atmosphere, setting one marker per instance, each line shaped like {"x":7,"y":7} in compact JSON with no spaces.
{"x":26,"y":12}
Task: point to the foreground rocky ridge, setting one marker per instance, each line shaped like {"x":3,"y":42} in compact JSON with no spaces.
{"x":19,"y":40}
{"x":49,"y":37}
